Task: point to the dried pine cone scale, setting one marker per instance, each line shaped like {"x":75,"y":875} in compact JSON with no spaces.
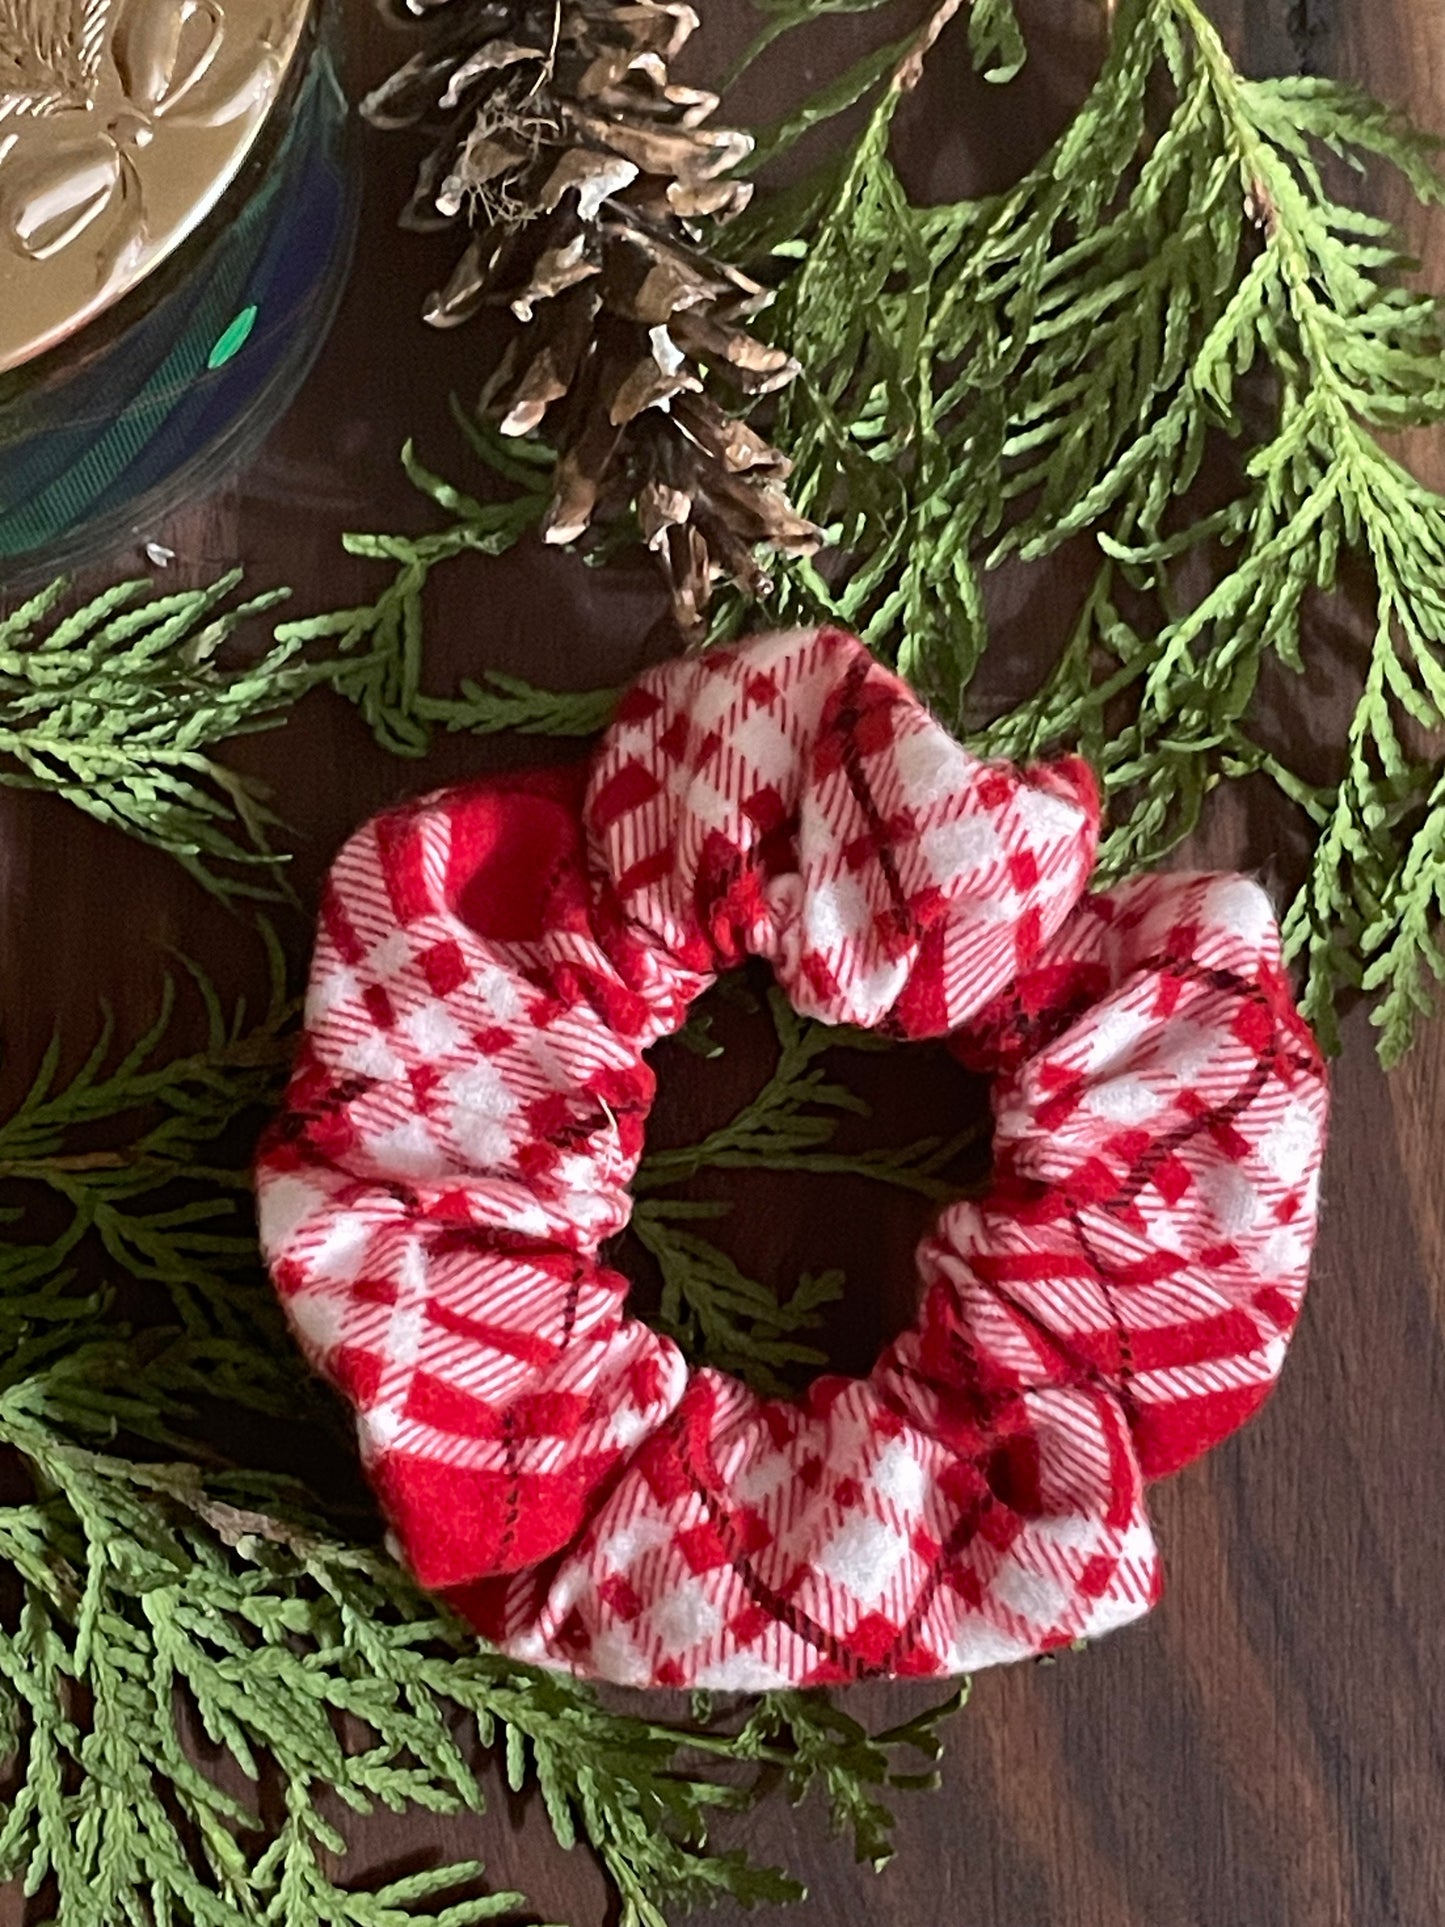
{"x":589,"y":178}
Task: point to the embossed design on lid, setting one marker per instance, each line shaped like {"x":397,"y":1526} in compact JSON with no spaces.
{"x":121,"y":124}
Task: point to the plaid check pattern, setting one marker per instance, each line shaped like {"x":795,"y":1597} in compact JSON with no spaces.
{"x":468,"y":1109}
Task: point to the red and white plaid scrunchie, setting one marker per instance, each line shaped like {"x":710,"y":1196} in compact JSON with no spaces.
{"x":468,"y":1110}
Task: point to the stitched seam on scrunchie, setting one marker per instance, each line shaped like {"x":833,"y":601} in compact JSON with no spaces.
{"x":852,"y":758}
{"x":964,"y":1531}
{"x":758,"y":1590}
{"x":514,"y":1486}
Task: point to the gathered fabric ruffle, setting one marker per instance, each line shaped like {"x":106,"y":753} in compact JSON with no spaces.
{"x":468,"y":1109}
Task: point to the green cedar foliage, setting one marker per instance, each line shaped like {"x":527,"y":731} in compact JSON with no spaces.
{"x":1176,"y":291}
{"x":1176,"y":281}
{"x":717,"y":1314}
{"x":180,"y":1633}
{"x":115,"y":705}
{"x":379,"y":646}
{"x":1176,"y":339}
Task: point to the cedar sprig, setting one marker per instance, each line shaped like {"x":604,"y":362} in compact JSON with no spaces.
{"x":164,"y":1596}
{"x":829,"y":1747}
{"x":132,"y":1148}
{"x":995,"y":378}
{"x":791,"y":1122}
{"x":115,"y":705}
{"x":154,"y":1602}
{"x":715,"y":1312}
{"x":378,"y":648}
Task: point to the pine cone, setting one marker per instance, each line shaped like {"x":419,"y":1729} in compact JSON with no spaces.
{"x":589,"y":178}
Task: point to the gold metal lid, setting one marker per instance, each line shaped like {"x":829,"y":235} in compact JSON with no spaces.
{"x":122,"y":122}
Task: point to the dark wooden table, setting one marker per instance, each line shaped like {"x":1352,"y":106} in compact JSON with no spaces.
{"x":1268,"y":1749}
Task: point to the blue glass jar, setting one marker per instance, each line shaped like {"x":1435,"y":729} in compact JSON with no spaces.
{"x":147,"y":404}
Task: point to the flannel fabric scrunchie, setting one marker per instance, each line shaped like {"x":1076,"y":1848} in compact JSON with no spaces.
{"x":468,"y":1110}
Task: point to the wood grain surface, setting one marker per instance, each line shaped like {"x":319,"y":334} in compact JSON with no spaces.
{"x":1268,"y":1749}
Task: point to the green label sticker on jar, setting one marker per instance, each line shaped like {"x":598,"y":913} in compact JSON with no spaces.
{"x":232,"y":338}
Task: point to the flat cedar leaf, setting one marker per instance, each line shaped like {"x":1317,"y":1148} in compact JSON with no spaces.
{"x":501,"y":702}
{"x":861,"y":79}
{"x":995,"y":39}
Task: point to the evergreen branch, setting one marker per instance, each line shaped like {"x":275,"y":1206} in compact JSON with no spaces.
{"x":717,"y":1314}
{"x":720,"y":1316}
{"x":152,"y":1599}
{"x":156,"y":1600}
{"x":994,"y":378}
{"x":797,"y":1108}
{"x":499,"y":702}
{"x":159,"y":1199}
{"x":1402,"y":943}
{"x":114,"y":708}
{"x":380,"y":646}
{"x":830,"y":1747}
{"x":781,"y":17}
{"x":791,"y":1121}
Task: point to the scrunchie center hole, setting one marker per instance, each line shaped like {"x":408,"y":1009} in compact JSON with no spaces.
{"x":790,"y":1173}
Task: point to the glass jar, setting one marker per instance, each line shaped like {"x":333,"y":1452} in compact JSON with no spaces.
{"x":174,"y":238}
